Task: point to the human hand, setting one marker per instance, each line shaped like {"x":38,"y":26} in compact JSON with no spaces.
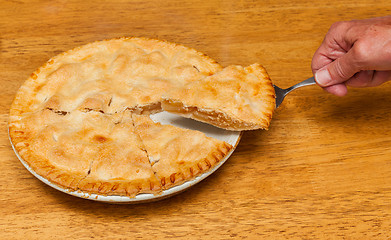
{"x":354,"y":53}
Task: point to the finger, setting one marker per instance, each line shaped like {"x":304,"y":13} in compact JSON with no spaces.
{"x":320,"y":58}
{"x":330,"y":49}
{"x":338,"y":89}
{"x":369,"y":78}
{"x":327,"y":52}
{"x":361,"y":79}
{"x":380,"y":77}
{"x":338,"y":71}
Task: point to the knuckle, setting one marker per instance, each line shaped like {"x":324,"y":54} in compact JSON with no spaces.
{"x":341,"y":25}
{"x":341,"y":71}
{"x":337,"y":25}
{"x":360,"y":54}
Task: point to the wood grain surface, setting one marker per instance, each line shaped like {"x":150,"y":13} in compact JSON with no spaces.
{"x":322,"y":171}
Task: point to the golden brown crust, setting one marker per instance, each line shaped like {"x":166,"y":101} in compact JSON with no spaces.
{"x":70,"y":121}
{"x":87,"y":151}
{"x":235,"y":98}
{"x":129,"y":71}
{"x":173,"y":159}
{"x":47,"y":142}
{"x":121,"y":165}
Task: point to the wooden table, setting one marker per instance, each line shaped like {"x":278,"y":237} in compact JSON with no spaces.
{"x":322,"y":171}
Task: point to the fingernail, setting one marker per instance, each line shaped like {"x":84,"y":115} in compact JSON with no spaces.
{"x":323,"y":77}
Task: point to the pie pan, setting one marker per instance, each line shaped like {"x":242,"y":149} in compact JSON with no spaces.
{"x":231,"y":137}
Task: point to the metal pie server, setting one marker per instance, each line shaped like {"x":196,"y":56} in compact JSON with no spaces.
{"x":281,"y":93}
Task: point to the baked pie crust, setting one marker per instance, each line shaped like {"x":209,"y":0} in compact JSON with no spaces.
{"x":72,"y":123}
{"x":82,"y":119}
{"x":178,"y":154}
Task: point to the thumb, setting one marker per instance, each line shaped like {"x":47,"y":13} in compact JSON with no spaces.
{"x":338,"y":71}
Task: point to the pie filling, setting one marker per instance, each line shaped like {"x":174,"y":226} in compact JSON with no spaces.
{"x":147,"y":109}
{"x":210,"y":116}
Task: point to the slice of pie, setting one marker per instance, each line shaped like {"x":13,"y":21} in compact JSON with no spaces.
{"x":51,"y":145}
{"x":120,"y":164}
{"x":177,"y":154}
{"x":236,"y":98}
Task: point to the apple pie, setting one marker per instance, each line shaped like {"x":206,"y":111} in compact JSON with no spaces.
{"x":82,"y":119}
